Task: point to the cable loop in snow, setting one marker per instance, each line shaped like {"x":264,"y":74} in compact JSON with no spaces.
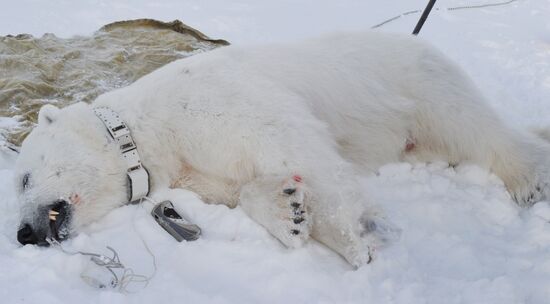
{"x":111,"y":264}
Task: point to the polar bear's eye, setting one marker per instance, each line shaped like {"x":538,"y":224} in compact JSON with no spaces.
{"x":25,"y":181}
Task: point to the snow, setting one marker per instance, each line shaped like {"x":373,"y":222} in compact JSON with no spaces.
{"x":463,"y":239}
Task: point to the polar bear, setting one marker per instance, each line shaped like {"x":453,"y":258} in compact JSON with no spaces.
{"x":282,"y":131}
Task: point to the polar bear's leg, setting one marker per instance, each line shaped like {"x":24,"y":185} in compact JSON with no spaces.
{"x":519,"y":160}
{"x":455,"y":123}
{"x":280,"y":205}
{"x":293,"y":210}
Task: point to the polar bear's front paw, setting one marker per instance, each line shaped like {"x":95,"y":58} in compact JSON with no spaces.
{"x":297,"y":221}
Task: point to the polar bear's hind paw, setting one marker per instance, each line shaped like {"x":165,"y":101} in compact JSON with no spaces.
{"x":528,"y":197}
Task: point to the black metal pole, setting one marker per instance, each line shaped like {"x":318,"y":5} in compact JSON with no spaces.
{"x":424,"y":16}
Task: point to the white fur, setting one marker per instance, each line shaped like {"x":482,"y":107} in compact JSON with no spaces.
{"x":234,"y":125}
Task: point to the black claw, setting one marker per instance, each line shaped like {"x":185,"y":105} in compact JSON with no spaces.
{"x":370,"y":259}
{"x":298,"y":220}
{"x":289,"y":191}
{"x":295,"y":205}
{"x":295,"y":232}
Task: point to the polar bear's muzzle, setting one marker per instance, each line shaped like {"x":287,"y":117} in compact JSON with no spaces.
{"x":51,"y":221}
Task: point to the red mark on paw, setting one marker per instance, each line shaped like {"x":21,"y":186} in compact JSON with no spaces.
{"x":297,"y":178}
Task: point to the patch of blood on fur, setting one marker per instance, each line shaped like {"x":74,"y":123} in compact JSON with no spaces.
{"x":297,"y":178}
{"x":75,"y":199}
{"x":409,"y":145}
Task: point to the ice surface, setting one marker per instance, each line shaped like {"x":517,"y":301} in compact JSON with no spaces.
{"x":463,"y":240}
{"x":61,"y":71}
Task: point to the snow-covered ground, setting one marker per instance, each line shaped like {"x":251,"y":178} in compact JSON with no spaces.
{"x":463,"y":239}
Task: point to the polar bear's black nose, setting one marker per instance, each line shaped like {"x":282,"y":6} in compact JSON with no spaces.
{"x":26,"y":235}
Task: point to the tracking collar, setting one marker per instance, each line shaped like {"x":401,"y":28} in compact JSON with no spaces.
{"x":138,"y":177}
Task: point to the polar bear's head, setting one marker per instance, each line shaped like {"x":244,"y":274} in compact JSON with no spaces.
{"x":68,"y":174}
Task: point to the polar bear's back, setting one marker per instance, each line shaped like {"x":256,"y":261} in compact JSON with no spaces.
{"x":338,"y":70}
{"x":359,"y":85}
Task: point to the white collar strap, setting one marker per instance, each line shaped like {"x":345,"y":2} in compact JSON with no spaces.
{"x":138,"y":177}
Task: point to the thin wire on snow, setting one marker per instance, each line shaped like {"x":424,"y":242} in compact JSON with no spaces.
{"x":455,"y":8}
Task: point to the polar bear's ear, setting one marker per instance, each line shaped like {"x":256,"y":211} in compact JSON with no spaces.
{"x":47,"y":114}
